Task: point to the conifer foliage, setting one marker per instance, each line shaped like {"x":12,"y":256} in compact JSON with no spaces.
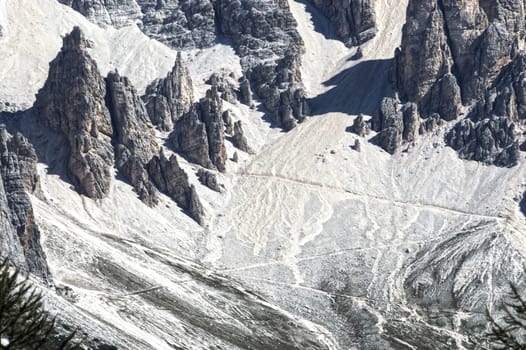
{"x":24,"y":324}
{"x":510,"y":331}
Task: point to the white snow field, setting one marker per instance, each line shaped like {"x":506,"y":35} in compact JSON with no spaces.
{"x":360,"y":248}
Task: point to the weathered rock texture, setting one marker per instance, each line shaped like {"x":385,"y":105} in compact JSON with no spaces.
{"x":354,"y":20}
{"x":105,"y":120}
{"x":169,"y":98}
{"x":459,"y":54}
{"x":171,"y":179}
{"x":239,"y":139}
{"x":489,"y":141}
{"x":72,"y":103}
{"x":179,"y":23}
{"x":117,"y":13}
{"x":209,"y":179}
{"x":263,"y":33}
{"x":395,"y":123}
{"x":199,"y":134}
{"x":19,"y":176}
{"x":133,"y":135}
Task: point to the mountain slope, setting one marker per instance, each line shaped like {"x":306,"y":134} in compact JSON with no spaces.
{"x":318,"y":239}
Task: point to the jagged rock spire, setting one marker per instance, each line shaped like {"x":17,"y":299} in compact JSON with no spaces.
{"x":72,"y":104}
{"x":168,"y":99}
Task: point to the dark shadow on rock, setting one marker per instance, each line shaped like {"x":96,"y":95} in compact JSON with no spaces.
{"x":321,"y":23}
{"x":51,"y":147}
{"x":358,"y":89}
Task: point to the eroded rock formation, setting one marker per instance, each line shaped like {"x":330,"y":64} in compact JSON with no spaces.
{"x":168,"y":99}
{"x":263,"y":33}
{"x":171,"y":179}
{"x":239,"y":139}
{"x":455,"y":55}
{"x":133,"y":136}
{"x":72,"y":102}
{"x":354,"y":20}
{"x":19,"y":177}
{"x":209,"y":179}
{"x":199,"y":134}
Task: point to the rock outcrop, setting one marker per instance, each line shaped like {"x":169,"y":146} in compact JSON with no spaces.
{"x":104,"y":120}
{"x":19,"y":177}
{"x":168,"y":99}
{"x":491,"y":141}
{"x":245,"y":91}
{"x":229,"y":124}
{"x":171,"y":179}
{"x":179,"y":23}
{"x":209,"y":179}
{"x":133,"y":135}
{"x":199,"y":134}
{"x":455,"y":55}
{"x":239,"y":139}
{"x":72,"y":102}
{"x":354,"y":20}
{"x":263,"y":33}
{"x":359,"y":126}
{"x":226,"y":87}
{"x":117,"y":13}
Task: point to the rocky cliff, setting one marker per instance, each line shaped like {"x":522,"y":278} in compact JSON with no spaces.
{"x":19,"y":177}
{"x":72,"y":102}
{"x":133,"y":135}
{"x":170,"y":98}
{"x":263,"y":33}
{"x":199,"y":134}
{"x":105,"y":122}
{"x":464,"y":59}
{"x":354,"y":20}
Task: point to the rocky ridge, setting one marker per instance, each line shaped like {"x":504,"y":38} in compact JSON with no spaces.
{"x":20,"y":232}
{"x":263,"y":32}
{"x":133,"y":135}
{"x":354,"y":20}
{"x":105,"y":123}
{"x":72,"y":102}
{"x":199,"y":134}
{"x":168,"y":99}
{"x":458,"y":58}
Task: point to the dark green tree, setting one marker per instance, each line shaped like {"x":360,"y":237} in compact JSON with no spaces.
{"x":24,"y":324}
{"x":509,"y":332}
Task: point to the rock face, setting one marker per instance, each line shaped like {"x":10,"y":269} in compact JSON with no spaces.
{"x":72,"y":103}
{"x":263,"y":33}
{"x":19,"y":176}
{"x":456,"y":54}
{"x":225,"y":85}
{"x":103,"y":120}
{"x":199,"y":134}
{"x":359,"y":126}
{"x":240,"y":140}
{"x":209,"y":179}
{"x":227,"y":120}
{"x":354,"y":20}
{"x":170,"y":98}
{"x":490,"y":141}
{"x":117,"y":13}
{"x":179,"y":23}
{"x":133,"y":136}
{"x":182,"y":24}
{"x":171,"y":179}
